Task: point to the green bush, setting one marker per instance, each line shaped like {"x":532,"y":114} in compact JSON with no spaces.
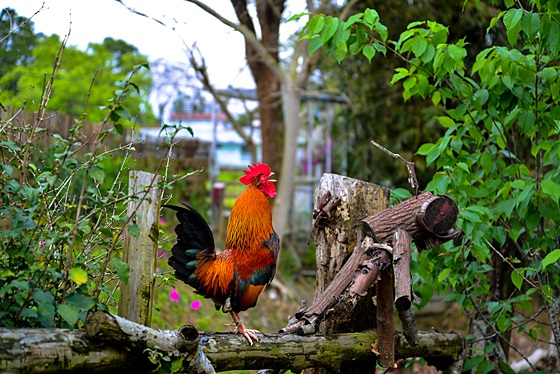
{"x":499,"y":159}
{"x":62,"y":215}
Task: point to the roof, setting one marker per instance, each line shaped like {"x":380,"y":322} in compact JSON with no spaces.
{"x":197,"y":117}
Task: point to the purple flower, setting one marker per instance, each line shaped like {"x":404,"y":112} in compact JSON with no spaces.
{"x":174,"y":295}
{"x":161,"y":221}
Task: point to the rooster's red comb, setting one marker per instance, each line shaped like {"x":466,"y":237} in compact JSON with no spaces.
{"x":255,"y":170}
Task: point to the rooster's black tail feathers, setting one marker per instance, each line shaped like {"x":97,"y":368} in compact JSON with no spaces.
{"x":195,"y":242}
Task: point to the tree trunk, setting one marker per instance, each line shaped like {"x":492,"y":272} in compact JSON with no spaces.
{"x":283,"y":202}
{"x":267,"y":80}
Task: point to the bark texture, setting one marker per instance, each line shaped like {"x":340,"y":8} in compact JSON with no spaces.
{"x":112,"y":344}
{"x":427,"y":218}
{"x":339,"y":203}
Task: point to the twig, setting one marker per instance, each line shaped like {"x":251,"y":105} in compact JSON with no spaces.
{"x":409,"y":166}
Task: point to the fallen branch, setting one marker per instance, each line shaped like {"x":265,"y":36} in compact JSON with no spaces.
{"x":102,"y":348}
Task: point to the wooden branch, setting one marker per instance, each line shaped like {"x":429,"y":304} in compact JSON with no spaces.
{"x":412,"y":180}
{"x":427,"y":218}
{"x":386,"y":318}
{"x":103,"y":349}
{"x":409,"y":327}
{"x":306,"y":321}
{"x":106,"y":327}
{"x":401,"y":263}
{"x":369,"y":269}
{"x":403,"y":285}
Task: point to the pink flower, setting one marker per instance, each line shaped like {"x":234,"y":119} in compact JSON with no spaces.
{"x":160,"y":253}
{"x":195,"y":304}
{"x":174,"y":295}
{"x":161,"y":221}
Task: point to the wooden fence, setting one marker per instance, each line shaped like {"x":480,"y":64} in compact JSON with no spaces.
{"x":187,"y":154}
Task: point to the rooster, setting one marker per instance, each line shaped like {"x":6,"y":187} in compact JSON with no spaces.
{"x":235,"y":277}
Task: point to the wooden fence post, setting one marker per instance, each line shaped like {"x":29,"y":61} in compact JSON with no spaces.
{"x":140,"y":251}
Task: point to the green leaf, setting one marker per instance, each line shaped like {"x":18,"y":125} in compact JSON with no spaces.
{"x":508,"y":81}
{"x":133,"y":230}
{"x":177,"y":365}
{"x":69,"y":313}
{"x":97,"y":173}
{"x":513,"y":17}
{"x":494,"y":21}
{"x":425,"y":149}
{"x":400,"y":73}
{"x":79,"y":276}
{"x":331,"y":25}
{"x":81,"y":301}
{"x":517,"y":278}
{"x":472,"y":363}
{"x":444,"y":274}
{"x":369,"y":52}
{"x":47,"y":311}
{"x":314,"y":44}
{"x":436,"y":97}
{"x":526,"y":121}
{"x":470,"y":216}
{"x":315,"y":24}
{"x":445,"y":121}
{"x":551,"y":188}
{"x":531,"y":24}
{"x":41,"y":296}
{"x":552,"y":36}
{"x":418,"y":45}
{"x":121,"y":268}
{"x":512,"y":21}
{"x":371,"y":17}
{"x":481,"y":96}
{"x":551,"y":258}
{"x":513,"y":33}
{"x":298,"y":16}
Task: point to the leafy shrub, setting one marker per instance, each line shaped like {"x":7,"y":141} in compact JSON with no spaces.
{"x":499,"y":159}
{"x":62,"y":214}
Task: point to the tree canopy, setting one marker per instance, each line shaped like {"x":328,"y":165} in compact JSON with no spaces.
{"x":27,"y":64}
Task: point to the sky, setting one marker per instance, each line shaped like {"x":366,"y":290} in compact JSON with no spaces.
{"x":92,"y":21}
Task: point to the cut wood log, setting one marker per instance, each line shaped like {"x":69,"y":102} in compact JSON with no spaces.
{"x":103,"y":349}
{"x":401,"y":262}
{"x":386,"y":318}
{"x":427,"y":218}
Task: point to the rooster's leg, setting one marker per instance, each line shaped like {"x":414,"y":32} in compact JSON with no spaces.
{"x":240,"y":328}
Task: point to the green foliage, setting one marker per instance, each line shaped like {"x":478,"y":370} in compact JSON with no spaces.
{"x":499,"y":159}
{"x":16,"y":44}
{"x":63,"y":217}
{"x":85,"y":78}
{"x":341,"y":37}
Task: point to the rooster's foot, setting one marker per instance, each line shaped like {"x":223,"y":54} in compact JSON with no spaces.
{"x":249,"y":334}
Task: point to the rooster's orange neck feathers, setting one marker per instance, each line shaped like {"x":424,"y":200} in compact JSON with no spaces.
{"x":250,"y":221}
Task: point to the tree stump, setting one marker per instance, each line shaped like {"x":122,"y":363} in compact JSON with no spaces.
{"x":339,"y":204}
{"x":382,"y":253}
